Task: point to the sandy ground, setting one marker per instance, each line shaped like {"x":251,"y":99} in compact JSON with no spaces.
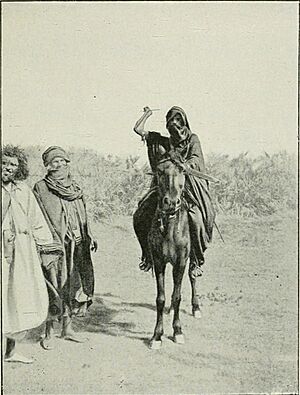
{"x":245,"y":342}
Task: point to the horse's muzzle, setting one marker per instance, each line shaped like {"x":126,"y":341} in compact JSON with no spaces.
{"x":170,"y":206}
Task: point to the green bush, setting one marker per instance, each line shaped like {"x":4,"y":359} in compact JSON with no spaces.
{"x":247,"y":186}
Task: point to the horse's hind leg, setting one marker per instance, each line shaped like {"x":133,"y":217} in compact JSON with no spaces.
{"x":160,"y":304}
{"x":178,"y":272}
{"x":195,"y":298}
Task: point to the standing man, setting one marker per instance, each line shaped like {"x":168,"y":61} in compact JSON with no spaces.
{"x":185,"y":146}
{"x":24,"y":292}
{"x":67,"y":262}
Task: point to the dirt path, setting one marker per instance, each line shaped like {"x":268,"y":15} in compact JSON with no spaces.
{"x":245,"y":342}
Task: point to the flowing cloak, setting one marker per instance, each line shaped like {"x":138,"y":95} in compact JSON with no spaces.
{"x":76,"y":275}
{"x":24,"y":292}
{"x":196,"y":189}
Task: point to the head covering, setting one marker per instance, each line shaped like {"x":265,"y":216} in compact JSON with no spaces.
{"x":185,"y":134}
{"x":59,"y":181}
{"x":177,"y":110}
{"x":54,"y":152}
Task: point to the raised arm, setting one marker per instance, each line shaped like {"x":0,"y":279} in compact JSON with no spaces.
{"x":139,"y":126}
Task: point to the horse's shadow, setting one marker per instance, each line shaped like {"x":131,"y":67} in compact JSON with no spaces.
{"x":139,"y":305}
{"x":149,"y":306}
{"x":102,"y":317}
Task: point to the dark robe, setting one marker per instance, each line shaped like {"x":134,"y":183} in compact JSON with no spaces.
{"x":196,"y":192}
{"x":71,"y":260}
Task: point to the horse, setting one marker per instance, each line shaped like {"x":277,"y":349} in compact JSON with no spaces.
{"x":169,"y":242}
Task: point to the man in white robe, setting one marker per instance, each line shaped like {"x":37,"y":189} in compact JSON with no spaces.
{"x":24,"y":229}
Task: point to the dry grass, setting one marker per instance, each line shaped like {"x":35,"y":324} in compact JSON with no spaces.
{"x":248,"y":186}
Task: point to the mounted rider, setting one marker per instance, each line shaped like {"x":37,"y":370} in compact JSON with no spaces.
{"x":182,"y":145}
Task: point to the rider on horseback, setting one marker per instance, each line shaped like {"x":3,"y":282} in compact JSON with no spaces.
{"x":185,"y":146}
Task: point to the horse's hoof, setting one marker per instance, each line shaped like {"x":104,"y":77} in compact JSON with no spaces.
{"x":155,"y":344}
{"x":179,"y":339}
{"x":145,"y":266}
{"x":197,"y":314}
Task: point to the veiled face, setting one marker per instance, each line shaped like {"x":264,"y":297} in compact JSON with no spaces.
{"x":176,"y":127}
{"x":10,"y":167}
{"x":57,"y":163}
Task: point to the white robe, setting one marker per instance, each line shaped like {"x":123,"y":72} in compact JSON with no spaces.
{"x":24,"y":292}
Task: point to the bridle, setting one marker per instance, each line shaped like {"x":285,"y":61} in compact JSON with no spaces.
{"x":187,"y":171}
{"x":163,"y":215}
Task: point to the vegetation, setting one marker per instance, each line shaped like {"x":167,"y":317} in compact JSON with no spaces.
{"x":247,"y":187}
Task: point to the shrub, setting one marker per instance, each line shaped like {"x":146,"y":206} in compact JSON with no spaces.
{"x":253,"y":186}
{"x":247,"y":187}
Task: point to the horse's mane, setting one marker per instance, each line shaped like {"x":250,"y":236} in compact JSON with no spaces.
{"x":175,"y":158}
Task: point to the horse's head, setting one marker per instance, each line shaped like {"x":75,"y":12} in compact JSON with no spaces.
{"x":170,"y":178}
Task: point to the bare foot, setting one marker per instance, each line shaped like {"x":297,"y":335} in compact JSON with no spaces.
{"x":18,"y":358}
{"x":47,"y":343}
{"x":73,"y":336}
{"x":82,"y":310}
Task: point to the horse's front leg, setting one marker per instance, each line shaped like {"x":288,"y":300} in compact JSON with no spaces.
{"x":195,"y":298}
{"x":160,"y":304}
{"x":178,"y":272}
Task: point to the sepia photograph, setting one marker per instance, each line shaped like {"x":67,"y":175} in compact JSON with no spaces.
{"x":149,"y":197}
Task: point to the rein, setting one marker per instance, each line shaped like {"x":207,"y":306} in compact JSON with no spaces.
{"x":163,"y":218}
{"x":187,"y":170}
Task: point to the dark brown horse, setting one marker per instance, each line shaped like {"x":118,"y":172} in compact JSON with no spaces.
{"x":169,"y":242}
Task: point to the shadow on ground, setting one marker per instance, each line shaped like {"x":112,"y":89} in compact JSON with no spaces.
{"x":102,"y":317}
